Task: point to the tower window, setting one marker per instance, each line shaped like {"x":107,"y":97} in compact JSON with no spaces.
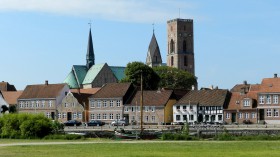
{"x":184,"y":27}
{"x":171,"y":46}
{"x":184,"y":46}
{"x":172,"y":61}
{"x":185,"y":61}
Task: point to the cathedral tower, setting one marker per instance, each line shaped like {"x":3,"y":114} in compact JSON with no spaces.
{"x":90,"y":52}
{"x":180,"y":49}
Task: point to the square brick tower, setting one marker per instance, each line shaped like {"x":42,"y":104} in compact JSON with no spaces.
{"x":180,"y":49}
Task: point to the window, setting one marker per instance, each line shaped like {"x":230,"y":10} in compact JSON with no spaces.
{"x":171,"y":46}
{"x":32,"y":104}
{"x":261,"y":99}
{"x":50,"y":103}
{"x":153,"y":118}
{"x":178,"y":117}
{"x":240,"y":115}
{"x":111,"y":116}
{"x":98,"y":104}
{"x":59,"y":115}
{"x":227,"y":115}
{"x":104,"y":116}
{"x":172,"y":60}
{"x":268,"y":99}
{"x":184,"y":107}
{"x":118,"y":103}
{"x":147,"y":118}
{"x":20,"y":104}
{"x":146,"y":108}
{"x":178,"y":107}
{"x":65,"y":105}
{"x":253,"y":115}
{"x":75,"y":115}
{"x":276,"y":113}
{"x":153,"y":108}
{"x":191,"y":117}
{"x":48,"y":114}
{"x":268,"y":112}
{"x":185,"y":61}
{"x":111,"y":103}
{"x":80,"y":115}
{"x":104,"y":103}
{"x":64,"y":115}
{"x":118,"y":116}
{"x":125,"y":109}
{"x":275,"y":99}
{"x":26,"y":104}
{"x":246,"y":102}
{"x":37,"y":104}
{"x":92,"y":116}
{"x":43,"y":103}
{"x":98,"y":116}
{"x":92,"y":104}
{"x":184,"y":117}
{"x":132,"y":109}
{"x":191,"y":107}
{"x":246,"y":115}
{"x":220,"y":117}
{"x":184,"y":46}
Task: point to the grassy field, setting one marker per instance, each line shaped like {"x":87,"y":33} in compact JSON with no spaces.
{"x":146,"y":148}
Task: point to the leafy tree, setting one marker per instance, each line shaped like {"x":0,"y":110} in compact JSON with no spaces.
{"x":12,"y":109}
{"x":4,"y":108}
{"x":133,"y":74}
{"x":175,"y":78}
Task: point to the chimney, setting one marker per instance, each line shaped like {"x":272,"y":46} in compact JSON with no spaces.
{"x":275,"y":75}
{"x":245,"y":82}
{"x":46,"y":82}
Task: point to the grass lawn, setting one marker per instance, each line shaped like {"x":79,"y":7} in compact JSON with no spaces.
{"x":148,"y":148}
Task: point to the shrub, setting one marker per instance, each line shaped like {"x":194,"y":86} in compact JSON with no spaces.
{"x":176,"y":136}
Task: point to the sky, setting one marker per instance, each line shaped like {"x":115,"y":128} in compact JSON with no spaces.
{"x":234,"y":40}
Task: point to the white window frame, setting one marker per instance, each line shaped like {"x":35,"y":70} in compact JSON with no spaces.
{"x":43,"y":103}
{"x":153,"y":108}
{"x":32,"y":104}
{"x":126,"y":109}
{"x":26,"y":104}
{"x":37,"y":104}
{"x":92,"y":116}
{"x":261,"y":99}
{"x":20,"y":104}
{"x":146,"y":108}
{"x":227,"y":115}
{"x":268,"y":99}
{"x":111,"y":116}
{"x":104,"y":116}
{"x":275,"y":99}
{"x":75,"y":115}
{"x":153,"y":118}
{"x":118,"y":103}
{"x":98,"y":104}
{"x":50,"y":103}
{"x":80,"y":115}
{"x":269,"y":112}
{"x":246,"y":102}
{"x":92,"y":104}
{"x":111,"y":103}
{"x":104,"y":103}
{"x":59,"y":115}
{"x":64,"y":115}
{"x":276,"y":112}
{"x":247,"y":115}
{"x":48,"y":114}
{"x":240,"y":115}
{"x":98,"y":116}
{"x":118,"y":116}
{"x":253,"y":114}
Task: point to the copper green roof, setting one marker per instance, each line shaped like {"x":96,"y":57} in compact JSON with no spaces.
{"x":118,"y":72}
{"x":93,"y":72}
{"x":71,"y":80}
{"x":80,"y":72}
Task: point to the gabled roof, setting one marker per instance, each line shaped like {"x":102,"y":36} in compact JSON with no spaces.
{"x":11,"y":96}
{"x":112,"y":90}
{"x":215,"y":97}
{"x":80,"y":72}
{"x":270,"y":85}
{"x":153,"y":52}
{"x":86,"y":91}
{"x":152,"y":98}
{"x":71,"y":80}
{"x":42,"y":91}
{"x":5,"y":86}
{"x":93,"y":72}
{"x":118,"y":72}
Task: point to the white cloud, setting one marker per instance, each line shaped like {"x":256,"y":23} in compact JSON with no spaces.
{"x":118,"y":10}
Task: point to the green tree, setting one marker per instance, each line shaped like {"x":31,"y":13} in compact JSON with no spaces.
{"x":133,"y":74}
{"x":4,"y":108}
{"x":175,"y":78}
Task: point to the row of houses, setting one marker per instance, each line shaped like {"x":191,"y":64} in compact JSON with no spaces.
{"x":244,"y":103}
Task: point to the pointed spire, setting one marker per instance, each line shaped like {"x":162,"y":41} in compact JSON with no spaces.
{"x":90,"y":52}
{"x":153,"y":55}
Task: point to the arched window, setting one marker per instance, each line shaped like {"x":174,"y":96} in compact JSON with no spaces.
{"x":185,"y":61}
{"x":171,"y":46}
{"x":184,"y":46}
{"x":172,"y":60}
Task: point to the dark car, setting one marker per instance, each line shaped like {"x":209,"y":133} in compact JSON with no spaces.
{"x":73,"y":123}
{"x":95,"y":123}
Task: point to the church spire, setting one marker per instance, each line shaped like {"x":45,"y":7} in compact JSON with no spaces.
{"x":90,"y":51}
{"x":153,"y":56}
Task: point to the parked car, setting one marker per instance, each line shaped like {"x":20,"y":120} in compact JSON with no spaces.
{"x":95,"y":123}
{"x":73,"y":123}
{"x":119,"y":123}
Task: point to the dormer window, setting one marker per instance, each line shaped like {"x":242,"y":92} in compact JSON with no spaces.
{"x":246,"y":102}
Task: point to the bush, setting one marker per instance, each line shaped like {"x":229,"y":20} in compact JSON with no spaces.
{"x":64,"y":137}
{"x":176,"y":136}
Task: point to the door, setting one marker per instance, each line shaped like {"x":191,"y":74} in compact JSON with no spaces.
{"x":233,"y":117}
{"x":261,"y":114}
{"x":69,"y":116}
{"x":200,"y":118}
{"x":52,"y":115}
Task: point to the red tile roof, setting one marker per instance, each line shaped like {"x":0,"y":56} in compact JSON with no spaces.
{"x":112,"y":90}
{"x":152,"y":98}
{"x":270,"y":85}
{"x":86,"y":91}
{"x":11,"y":96}
{"x":215,"y":97}
{"x":42,"y":91}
